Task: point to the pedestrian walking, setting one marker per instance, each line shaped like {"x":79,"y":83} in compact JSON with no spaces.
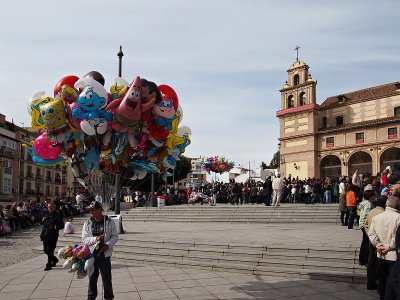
{"x":52,"y":222}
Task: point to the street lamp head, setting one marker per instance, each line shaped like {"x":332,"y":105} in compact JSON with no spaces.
{"x":120,"y":53}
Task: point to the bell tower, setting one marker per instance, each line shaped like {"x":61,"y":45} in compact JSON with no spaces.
{"x":298,"y":124}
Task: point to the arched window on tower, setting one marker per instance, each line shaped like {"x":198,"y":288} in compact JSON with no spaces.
{"x":290,"y":101}
{"x":302,"y":99}
{"x":296,"y":79}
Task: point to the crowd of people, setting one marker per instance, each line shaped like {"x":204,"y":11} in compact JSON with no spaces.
{"x":99,"y":232}
{"x":24,"y":214}
{"x":365,"y":202}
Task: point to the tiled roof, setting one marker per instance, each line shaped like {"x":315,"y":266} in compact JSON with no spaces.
{"x":364,"y":124}
{"x":379,"y":91}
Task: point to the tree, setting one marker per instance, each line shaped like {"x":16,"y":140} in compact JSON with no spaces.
{"x":264,"y":165}
{"x":275,"y":160}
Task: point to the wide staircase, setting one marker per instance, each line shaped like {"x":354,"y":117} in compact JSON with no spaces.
{"x":324,"y":214}
{"x":323,"y":263}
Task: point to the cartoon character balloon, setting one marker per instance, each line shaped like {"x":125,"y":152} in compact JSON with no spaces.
{"x":91,"y":101}
{"x":133,"y":131}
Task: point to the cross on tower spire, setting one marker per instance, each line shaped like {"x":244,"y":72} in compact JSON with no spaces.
{"x":297,"y":52}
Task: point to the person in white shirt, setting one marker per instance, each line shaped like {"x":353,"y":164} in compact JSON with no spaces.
{"x":382,"y":235}
{"x":79,"y":200}
{"x":293,"y":194}
{"x":277,"y":185}
{"x":98,"y":198}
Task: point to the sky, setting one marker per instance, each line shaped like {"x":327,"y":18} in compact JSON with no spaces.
{"x":226,"y":60}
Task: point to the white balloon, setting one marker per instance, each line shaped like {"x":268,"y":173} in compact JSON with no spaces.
{"x":61,"y":252}
{"x":67,"y":264}
{"x":88,"y":264}
{"x":87,"y":128}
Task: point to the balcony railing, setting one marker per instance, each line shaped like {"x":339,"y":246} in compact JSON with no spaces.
{"x":7,"y":152}
{"x":49,"y":179}
{"x":39,"y":176}
{"x":30,"y":192}
{"x":29,"y":175}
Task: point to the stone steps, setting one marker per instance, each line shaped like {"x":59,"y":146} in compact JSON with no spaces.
{"x":312,"y":214}
{"x":339,"y":264}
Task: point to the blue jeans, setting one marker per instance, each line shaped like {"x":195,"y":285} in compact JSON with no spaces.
{"x":327,"y":197}
{"x":352,"y":216}
{"x":104,"y":266}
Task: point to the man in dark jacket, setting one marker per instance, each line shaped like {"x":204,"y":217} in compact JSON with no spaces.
{"x":52,"y":223}
{"x":268,"y":190}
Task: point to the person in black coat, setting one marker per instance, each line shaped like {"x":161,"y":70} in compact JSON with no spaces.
{"x":52,"y":223}
{"x":268,"y":191}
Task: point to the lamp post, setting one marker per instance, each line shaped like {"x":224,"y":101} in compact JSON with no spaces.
{"x":69,"y":190}
{"x":120,"y":54}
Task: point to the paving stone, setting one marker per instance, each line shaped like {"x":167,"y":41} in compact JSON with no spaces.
{"x":353,"y":295}
{"x":126,"y":296}
{"x":192,"y":291}
{"x":157,"y":295}
{"x":212,"y":281}
{"x":77,"y":291}
{"x":64,"y":284}
{"x":269,"y":294}
{"x":203,"y":275}
{"x":44,"y":294}
{"x":18,"y":287}
{"x":150,"y":286}
{"x":124,"y":288}
{"x":208,"y":297}
{"x":298,"y":291}
{"x":235,"y":296}
{"x":139,"y":279}
{"x":175,"y":277}
{"x":24,"y":280}
{"x":171,"y":271}
{"x":143,"y":273}
{"x":15,"y":295}
{"x":182,"y":284}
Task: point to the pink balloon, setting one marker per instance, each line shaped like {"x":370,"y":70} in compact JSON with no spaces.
{"x":74,"y":122}
{"x":46,"y":148}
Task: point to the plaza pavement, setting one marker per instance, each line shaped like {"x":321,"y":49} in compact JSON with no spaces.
{"x":27,"y":280}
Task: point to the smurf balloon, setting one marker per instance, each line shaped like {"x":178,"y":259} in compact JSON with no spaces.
{"x":91,"y":101}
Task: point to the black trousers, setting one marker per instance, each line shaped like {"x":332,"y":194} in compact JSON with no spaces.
{"x":48,"y":248}
{"x":344,"y":217}
{"x":104,"y":266}
{"x":372,"y":272}
{"x":385,"y":289}
{"x":364,"y":249}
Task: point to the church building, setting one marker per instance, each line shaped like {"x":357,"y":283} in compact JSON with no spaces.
{"x":355,"y":130}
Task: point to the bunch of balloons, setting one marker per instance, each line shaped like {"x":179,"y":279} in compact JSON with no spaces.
{"x":131,"y":130}
{"x":216,"y":164}
{"x":78,"y":259}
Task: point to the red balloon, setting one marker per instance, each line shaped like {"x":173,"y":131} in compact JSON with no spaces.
{"x":168,"y":92}
{"x":67,"y":80}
